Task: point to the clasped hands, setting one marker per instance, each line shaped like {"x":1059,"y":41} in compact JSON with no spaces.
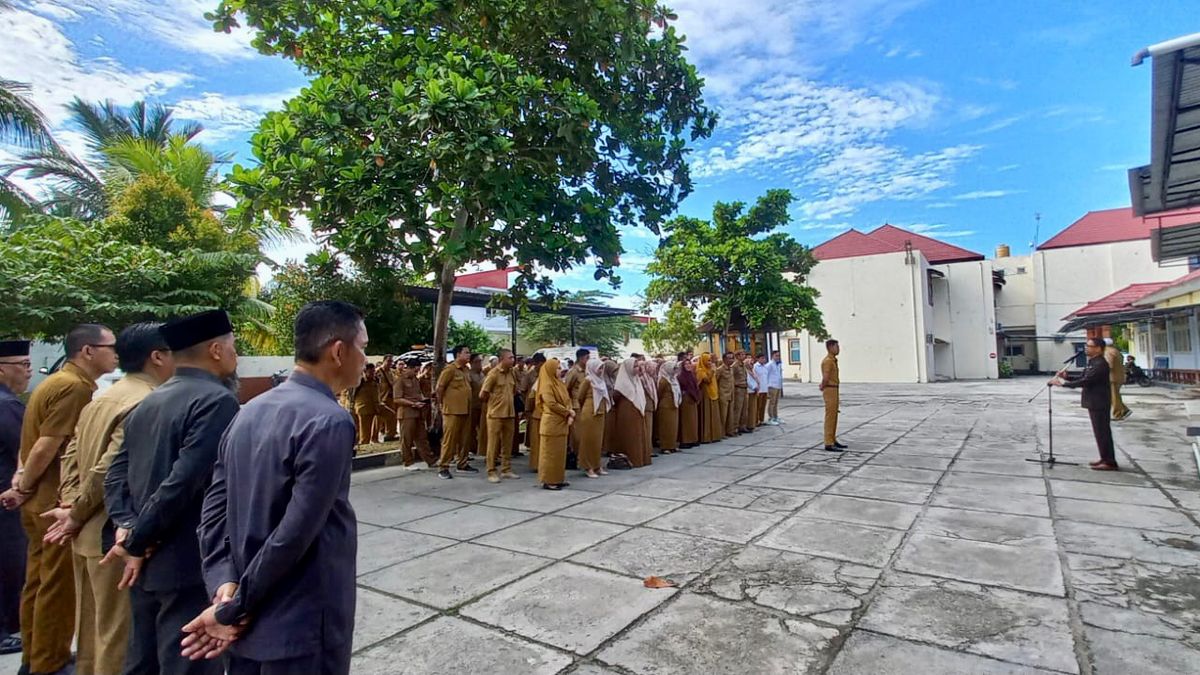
{"x":1057,"y":380}
{"x":206,"y":637}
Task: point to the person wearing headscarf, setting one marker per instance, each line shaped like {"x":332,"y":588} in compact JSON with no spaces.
{"x":629,"y":398}
{"x":592,"y":403}
{"x":611,"y":367}
{"x":710,"y":415}
{"x":557,"y":417}
{"x":689,"y":406}
{"x":649,"y":378}
{"x":666,"y":417}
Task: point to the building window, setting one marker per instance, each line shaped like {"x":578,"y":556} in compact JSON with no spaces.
{"x":1143,"y":340}
{"x":495,"y":313}
{"x":1181,"y":336}
{"x":1020,"y":270}
{"x":793,"y":351}
{"x":1158,"y":337}
{"x":1014,"y":350}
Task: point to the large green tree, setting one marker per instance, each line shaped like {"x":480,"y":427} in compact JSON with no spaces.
{"x":606,"y":334}
{"x":737,"y":262}
{"x":677,"y":332}
{"x":438,"y":133}
{"x":394,"y":321}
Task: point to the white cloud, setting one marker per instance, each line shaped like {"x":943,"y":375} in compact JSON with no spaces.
{"x":179,"y":24}
{"x":986,"y":194}
{"x":36,"y":51}
{"x":224,"y":116}
{"x":936,"y":230}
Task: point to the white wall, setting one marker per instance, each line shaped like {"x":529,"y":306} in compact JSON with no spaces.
{"x":478,"y":315}
{"x":1015,"y":300}
{"x":875,"y":307}
{"x":970,"y":324}
{"x":1069,"y":278}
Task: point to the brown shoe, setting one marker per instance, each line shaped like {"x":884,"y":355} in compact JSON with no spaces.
{"x":1096,"y":462}
{"x":1105,"y":466}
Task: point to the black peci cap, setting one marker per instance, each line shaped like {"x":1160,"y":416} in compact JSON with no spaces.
{"x":192,"y":330}
{"x":14,"y":347}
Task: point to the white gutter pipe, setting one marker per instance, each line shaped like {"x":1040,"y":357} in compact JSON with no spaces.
{"x":1166,"y":47}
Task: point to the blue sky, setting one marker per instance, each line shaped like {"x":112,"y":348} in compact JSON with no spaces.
{"x":957,"y":119}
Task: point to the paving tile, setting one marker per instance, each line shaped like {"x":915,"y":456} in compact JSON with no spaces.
{"x":996,"y":528}
{"x":387,"y":508}
{"x":801,"y":585}
{"x":911,"y":493}
{"x":1124,"y":653}
{"x":933,"y":463}
{"x":449,"y":577}
{"x":863,"y":511}
{"x":378,"y":616}
{"x":891,"y":473}
{"x":882,"y":655}
{"x":450,"y":646}
{"x":994,"y":482}
{"x":541,"y":501}
{"x":472,"y":488}
{"x":1022,"y":568}
{"x":714,"y":474}
{"x":1023,"y":628}
{"x":1136,"y":597}
{"x":621,"y":509}
{"x":679,"y":639}
{"x":469,"y":522}
{"x":668,"y":488}
{"x":1121,"y":494}
{"x":643,"y":552}
{"x":1004,"y":467}
{"x":1119,"y":542}
{"x":1125,"y":515}
{"x":791,"y":480}
{"x":385,"y":547}
{"x":568,"y":606}
{"x":768,"y":500}
{"x":552,"y":536}
{"x":780,"y":452}
{"x":994,"y":502}
{"x":756,"y":463}
{"x":717,"y":522}
{"x":863,"y":544}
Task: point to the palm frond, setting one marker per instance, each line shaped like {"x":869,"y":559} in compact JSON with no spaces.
{"x":15,"y":204}
{"x":74,"y":189}
{"x":21,"y":122}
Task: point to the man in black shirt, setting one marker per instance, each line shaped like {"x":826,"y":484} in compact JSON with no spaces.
{"x":15,"y":371}
{"x":1096,"y":397}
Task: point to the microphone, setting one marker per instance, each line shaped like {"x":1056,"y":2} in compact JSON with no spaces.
{"x":1070,"y":359}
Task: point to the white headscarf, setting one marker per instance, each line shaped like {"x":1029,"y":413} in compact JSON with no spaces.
{"x":595,"y":375}
{"x":629,"y":385}
{"x":670,"y":373}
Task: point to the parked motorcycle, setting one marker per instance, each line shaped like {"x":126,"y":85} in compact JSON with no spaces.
{"x":1135,"y":375}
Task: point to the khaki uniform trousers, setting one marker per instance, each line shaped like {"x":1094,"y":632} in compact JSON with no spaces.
{"x":386,"y":422}
{"x":368,"y":430}
{"x":760,"y":409}
{"x":48,"y":598}
{"x":412,"y":433}
{"x":454,"y":428}
{"x":737,"y":411}
{"x":533,"y":428}
{"x":103,"y":616}
{"x":500,"y":442}
{"x":830,"y":394}
{"x":1119,"y":409}
{"x":725,"y":403}
{"x":773,"y":395}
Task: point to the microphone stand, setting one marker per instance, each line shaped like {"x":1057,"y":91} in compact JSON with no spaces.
{"x":1050,"y":461}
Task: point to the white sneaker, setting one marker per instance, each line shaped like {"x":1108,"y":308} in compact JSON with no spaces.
{"x":413,"y":467}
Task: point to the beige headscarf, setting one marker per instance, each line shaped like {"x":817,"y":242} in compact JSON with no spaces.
{"x":550,"y":387}
{"x":630,"y":386}
{"x":670,"y":372}
{"x":595,"y":375}
{"x":650,"y":381}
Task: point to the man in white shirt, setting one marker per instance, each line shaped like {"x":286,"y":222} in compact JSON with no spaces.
{"x":774,"y":387}
{"x":749,"y":416}
{"x":764,"y":384}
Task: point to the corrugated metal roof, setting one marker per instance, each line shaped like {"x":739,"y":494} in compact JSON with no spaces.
{"x":1118,"y":301}
{"x":1113,"y":225}
{"x":853,"y":244}
{"x":936,"y":252}
{"x":1172,"y":179}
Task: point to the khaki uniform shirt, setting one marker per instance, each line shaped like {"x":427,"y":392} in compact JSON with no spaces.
{"x":97,"y":439}
{"x":501,"y":387}
{"x":739,"y":375}
{"x":454,"y":390}
{"x":829,"y":371}
{"x":575,"y":378}
{"x":1116,"y":365}
{"x":408,"y":388}
{"x":366,"y":398}
{"x":476,"y":381}
{"x":53,"y":410}
{"x":725,"y":382}
{"x":387,"y":382}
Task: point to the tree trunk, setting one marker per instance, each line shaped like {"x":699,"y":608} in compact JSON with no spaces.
{"x":441,"y":315}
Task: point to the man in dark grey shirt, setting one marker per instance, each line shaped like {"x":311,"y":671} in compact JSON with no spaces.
{"x":155,"y":487}
{"x":15,"y":371}
{"x":278,"y":534}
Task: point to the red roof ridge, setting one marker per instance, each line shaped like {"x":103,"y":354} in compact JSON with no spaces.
{"x":853,"y":244}
{"x":936,"y":251}
{"x":1108,"y":226}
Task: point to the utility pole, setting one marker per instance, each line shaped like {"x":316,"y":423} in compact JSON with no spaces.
{"x":1037,"y":217}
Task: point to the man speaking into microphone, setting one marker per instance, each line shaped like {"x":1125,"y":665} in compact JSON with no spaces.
{"x":1095,"y":398}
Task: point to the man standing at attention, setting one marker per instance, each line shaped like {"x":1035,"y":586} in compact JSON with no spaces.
{"x":278,"y":533}
{"x":830,"y":383}
{"x":48,"y":599}
{"x":1116,"y":378}
{"x":15,"y":371}
{"x":454,"y":396}
{"x":155,"y":487}
{"x":762,"y":372}
{"x":410,"y":404}
{"x":739,"y":393}
{"x":725,"y":393}
{"x":366,"y":406}
{"x":103,"y":609}
{"x":497,"y":395}
{"x":387,"y":414}
{"x":774,"y":387}
{"x":1096,"y":399}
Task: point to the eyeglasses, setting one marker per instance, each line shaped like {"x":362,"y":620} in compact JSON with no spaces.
{"x":107,"y":346}
{"x":27,"y":364}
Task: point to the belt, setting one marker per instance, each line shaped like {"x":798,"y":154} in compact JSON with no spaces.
{"x":831,"y":386}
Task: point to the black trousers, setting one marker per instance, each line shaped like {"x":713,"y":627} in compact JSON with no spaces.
{"x":328,"y":662}
{"x":1102,"y":430}
{"x":12,"y":572}
{"x":158,"y":621}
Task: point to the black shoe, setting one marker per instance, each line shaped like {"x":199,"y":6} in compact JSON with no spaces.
{"x":468,"y":469}
{"x":553,"y":486}
{"x":832,"y":448}
{"x":839,"y":446}
{"x":445,"y":473}
{"x":10,"y":645}
{"x":518,"y":453}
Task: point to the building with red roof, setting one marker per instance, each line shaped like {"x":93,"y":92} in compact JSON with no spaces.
{"x":1116,"y":225}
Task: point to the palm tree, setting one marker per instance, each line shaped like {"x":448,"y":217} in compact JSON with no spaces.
{"x":23,"y":125}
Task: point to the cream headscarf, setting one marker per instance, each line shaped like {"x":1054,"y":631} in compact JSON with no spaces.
{"x":595,"y":375}
{"x":550,"y":387}
{"x":630,"y":386}
{"x":704,"y":370}
{"x":650,"y":381}
{"x":670,"y":372}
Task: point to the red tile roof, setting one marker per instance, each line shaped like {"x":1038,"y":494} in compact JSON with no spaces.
{"x":853,"y":244}
{"x":1113,"y":225}
{"x":485,"y":279}
{"x":890,"y":239}
{"x":936,"y":252}
{"x":1119,"y":301}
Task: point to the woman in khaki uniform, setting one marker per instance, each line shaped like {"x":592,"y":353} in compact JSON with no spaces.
{"x":556,"y":419}
{"x":689,"y":406}
{"x":592,"y":400}
{"x":629,"y":401}
{"x":710,"y":414}
{"x":610,"y":421}
{"x":649,"y":377}
{"x":666,"y":417}
{"x":533,"y":424}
